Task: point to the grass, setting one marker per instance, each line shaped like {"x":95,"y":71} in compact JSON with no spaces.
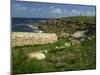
{"x":76,"y":57}
{"x":86,"y":19}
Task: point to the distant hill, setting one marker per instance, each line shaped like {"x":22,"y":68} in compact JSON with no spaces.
{"x":86,"y":19}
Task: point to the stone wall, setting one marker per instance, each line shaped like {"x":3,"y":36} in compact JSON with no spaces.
{"x":27,"y":38}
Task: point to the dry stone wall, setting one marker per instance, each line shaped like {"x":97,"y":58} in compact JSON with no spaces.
{"x":27,"y":38}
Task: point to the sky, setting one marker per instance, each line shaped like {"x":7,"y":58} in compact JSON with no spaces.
{"x":49,"y":10}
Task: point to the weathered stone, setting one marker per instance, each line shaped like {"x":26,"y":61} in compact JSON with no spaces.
{"x":78,"y":34}
{"x":75,"y":42}
{"x":65,"y":35}
{"x":44,"y":51}
{"x":67,"y":44}
{"x":36,"y":55}
{"x":26,"y":38}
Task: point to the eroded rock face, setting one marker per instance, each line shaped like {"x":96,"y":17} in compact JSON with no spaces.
{"x":36,"y":55}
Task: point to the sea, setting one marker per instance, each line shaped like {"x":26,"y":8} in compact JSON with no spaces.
{"x":24,"y":24}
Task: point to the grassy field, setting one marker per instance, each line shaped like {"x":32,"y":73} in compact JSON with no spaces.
{"x":74,"y":57}
{"x":59,"y":57}
{"x":86,"y":19}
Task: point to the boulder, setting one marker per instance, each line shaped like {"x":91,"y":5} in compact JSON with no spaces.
{"x":67,"y":44}
{"x":36,"y":55}
{"x":78,"y":34}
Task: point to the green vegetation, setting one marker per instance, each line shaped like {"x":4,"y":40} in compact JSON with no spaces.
{"x":86,"y":19}
{"x":76,"y":57}
{"x":60,"y":57}
{"x":69,"y":24}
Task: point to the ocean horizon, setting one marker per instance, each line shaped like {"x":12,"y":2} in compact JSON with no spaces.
{"x":23,"y":24}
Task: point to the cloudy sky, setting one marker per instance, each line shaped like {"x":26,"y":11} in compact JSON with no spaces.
{"x":49,"y":10}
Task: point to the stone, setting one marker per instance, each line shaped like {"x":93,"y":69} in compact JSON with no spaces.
{"x":36,"y":55}
{"x":65,"y":35}
{"x":78,"y":34}
{"x":44,"y":51}
{"x":75,"y":41}
{"x":67,"y":44}
{"x":29,"y":38}
{"x":57,"y":47}
{"x":82,"y":39}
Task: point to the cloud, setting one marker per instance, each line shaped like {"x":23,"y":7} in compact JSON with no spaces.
{"x":19,"y":7}
{"x":75,"y":12}
{"x":39,"y":9}
{"x":51,"y":6}
{"x":90,"y":13}
{"x":32,"y":9}
{"x":84,"y":13}
{"x":17,"y":4}
{"x":56,"y":11}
